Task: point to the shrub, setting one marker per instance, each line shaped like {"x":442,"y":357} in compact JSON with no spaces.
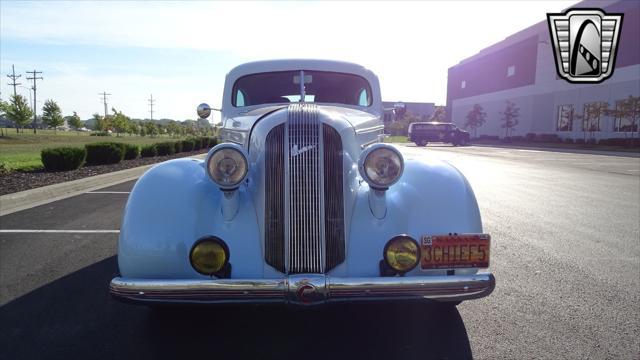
{"x":165,"y":148}
{"x":187,"y":145}
{"x":530,"y":137}
{"x":213,"y":142}
{"x":626,"y":142}
{"x":568,"y":141}
{"x":104,"y":153}
{"x":517,"y":138}
{"x":131,"y":151}
{"x":149,"y":151}
{"x":489,"y":137}
{"x":177,"y":146}
{"x":548,"y":138}
{"x":591,"y":141}
{"x":579,"y":141}
{"x":197,"y":144}
{"x":63,"y":158}
{"x":101,"y":133}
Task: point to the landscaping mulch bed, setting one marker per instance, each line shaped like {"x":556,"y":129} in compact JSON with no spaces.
{"x":16,"y":181}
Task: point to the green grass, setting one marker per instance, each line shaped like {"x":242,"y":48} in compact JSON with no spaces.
{"x":22,"y":151}
{"x":396,"y":139}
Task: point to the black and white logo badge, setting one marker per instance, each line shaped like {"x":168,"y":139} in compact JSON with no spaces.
{"x":585,"y":42}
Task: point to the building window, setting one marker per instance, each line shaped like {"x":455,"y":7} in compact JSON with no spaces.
{"x":511,"y":70}
{"x":565,"y":118}
{"x":591,"y":117}
{"x":626,"y":123}
{"x":463,"y":84}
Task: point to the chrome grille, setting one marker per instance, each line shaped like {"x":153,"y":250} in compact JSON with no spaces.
{"x":306,"y":247}
{"x":274,"y":209}
{"x":311,"y":238}
{"x":333,"y":197}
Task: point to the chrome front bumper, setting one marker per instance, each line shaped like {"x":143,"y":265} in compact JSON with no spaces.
{"x":303,"y":289}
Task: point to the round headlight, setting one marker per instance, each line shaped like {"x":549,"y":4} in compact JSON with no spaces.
{"x":381,"y":166}
{"x":209,"y":255}
{"x":227,"y":165}
{"x":402,"y":253}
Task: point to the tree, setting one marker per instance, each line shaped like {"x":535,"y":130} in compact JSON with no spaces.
{"x":97,"y":121}
{"x":173,"y":128}
{"x":475,"y":118}
{"x":74,"y":121}
{"x":151,"y":129}
{"x":510,"y":117}
{"x":51,"y":115}
{"x":591,"y":117}
{"x":119,"y":121}
{"x":3,"y":113}
{"x":627,"y":109}
{"x":439,"y":114}
{"x":19,"y":111}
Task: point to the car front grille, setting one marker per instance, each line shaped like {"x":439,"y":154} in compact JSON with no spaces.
{"x":304,"y":209}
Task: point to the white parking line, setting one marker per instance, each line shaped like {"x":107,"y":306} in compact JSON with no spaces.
{"x":32,"y":231}
{"x":108,"y":192}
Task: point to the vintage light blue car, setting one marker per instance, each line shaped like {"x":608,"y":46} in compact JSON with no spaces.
{"x":301,"y":203}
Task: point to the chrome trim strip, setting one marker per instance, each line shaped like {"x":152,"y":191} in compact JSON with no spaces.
{"x":364,"y":145}
{"x":305,"y":289}
{"x":370,"y":129}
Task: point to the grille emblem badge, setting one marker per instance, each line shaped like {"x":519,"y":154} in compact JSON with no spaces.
{"x":295,"y":151}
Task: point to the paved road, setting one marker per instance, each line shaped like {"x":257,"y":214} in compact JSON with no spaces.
{"x":566,"y":253}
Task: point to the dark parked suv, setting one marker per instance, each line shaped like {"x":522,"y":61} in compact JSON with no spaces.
{"x":422,"y":133}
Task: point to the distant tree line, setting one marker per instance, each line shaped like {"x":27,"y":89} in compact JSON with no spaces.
{"x":18,"y":111}
{"x":626,"y":109}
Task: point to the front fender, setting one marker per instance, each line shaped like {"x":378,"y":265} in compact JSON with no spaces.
{"x":432,"y":197}
{"x":172,"y":206}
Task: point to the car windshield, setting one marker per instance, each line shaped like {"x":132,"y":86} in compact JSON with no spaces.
{"x":285,"y":87}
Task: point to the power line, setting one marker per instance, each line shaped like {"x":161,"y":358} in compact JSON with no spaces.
{"x":151,"y":102}
{"x":34,"y":77}
{"x":104,"y":100}
{"x":14,"y":77}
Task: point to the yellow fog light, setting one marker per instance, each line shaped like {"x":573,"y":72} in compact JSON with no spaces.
{"x":209,"y":255}
{"x":402,"y":253}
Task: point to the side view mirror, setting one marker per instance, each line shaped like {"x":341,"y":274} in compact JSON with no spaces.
{"x":204,"y":110}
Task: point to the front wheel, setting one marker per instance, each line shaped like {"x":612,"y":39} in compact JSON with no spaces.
{"x":421,"y":143}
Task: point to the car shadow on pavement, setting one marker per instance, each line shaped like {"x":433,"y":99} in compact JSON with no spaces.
{"x":74,"y":317}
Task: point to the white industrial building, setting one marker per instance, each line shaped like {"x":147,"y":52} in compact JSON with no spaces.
{"x":522,"y":69}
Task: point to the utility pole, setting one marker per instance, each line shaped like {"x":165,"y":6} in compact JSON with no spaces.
{"x":14,"y":77}
{"x":104,"y":100}
{"x":151,"y":102}
{"x":35,"y":89}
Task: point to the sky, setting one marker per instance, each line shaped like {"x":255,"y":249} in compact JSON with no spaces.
{"x":181,"y":51}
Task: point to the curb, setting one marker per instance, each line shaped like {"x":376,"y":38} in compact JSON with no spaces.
{"x":27,"y":199}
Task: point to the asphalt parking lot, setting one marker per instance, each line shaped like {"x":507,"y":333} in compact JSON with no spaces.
{"x":565,"y":252}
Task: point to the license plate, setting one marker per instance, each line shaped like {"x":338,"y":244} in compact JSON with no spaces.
{"x":454,"y":251}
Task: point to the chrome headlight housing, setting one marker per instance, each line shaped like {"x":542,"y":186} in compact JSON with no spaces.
{"x":227,"y":165}
{"x":381,"y":166}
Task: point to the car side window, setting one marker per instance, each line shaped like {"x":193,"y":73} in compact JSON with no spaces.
{"x":239,"y":98}
{"x":363,"y":98}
